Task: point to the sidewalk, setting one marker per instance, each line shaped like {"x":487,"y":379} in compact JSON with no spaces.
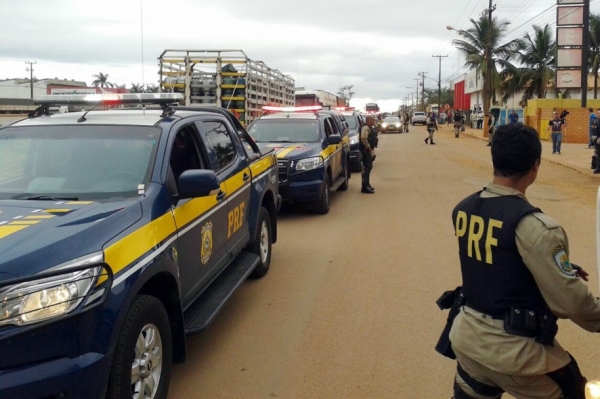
{"x":574,"y":156}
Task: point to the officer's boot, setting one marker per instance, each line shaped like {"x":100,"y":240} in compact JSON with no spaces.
{"x":427,"y":140}
{"x":366,"y":185}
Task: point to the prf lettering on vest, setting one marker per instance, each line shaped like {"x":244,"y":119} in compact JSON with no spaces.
{"x":235,"y":219}
{"x":476,"y":226}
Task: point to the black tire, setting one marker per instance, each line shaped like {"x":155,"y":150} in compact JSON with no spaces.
{"x":147,"y":318}
{"x":346,"y":173}
{"x":261,"y":245}
{"x":322,"y":204}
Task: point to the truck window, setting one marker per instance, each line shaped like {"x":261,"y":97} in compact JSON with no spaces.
{"x":328,"y":127}
{"x":185,"y":154}
{"x":218,"y":136}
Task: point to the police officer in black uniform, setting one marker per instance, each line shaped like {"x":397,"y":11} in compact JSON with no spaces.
{"x":517,"y":280}
{"x":368,"y":143}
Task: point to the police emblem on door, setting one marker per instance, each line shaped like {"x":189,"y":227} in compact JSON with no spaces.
{"x":207,"y":243}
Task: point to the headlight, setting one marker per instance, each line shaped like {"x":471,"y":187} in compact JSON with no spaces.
{"x":592,"y":390}
{"x":47,"y":298}
{"x":353,"y":140}
{"x":397,"y":125}
{"x":384,"y":125}
{"x":309,"y":163}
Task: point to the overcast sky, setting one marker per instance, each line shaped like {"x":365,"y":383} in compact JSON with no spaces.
{"x":379,"y":46}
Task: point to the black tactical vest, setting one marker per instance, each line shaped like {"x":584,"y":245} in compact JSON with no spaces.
{"x":372,"y":138}
{"x":494,"y":275}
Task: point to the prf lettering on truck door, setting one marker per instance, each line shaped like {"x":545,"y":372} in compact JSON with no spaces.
{"x":235,"y":219}
{"x":476,"y":227}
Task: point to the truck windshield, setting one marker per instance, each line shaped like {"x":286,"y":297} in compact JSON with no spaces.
{"x":83,"y":162}
{"x":285,"y":131}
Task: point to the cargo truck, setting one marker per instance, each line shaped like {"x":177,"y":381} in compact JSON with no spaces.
{"x":224,"y":78}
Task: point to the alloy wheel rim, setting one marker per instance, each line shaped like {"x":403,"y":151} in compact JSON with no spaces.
{"x":264,"y":242}
{"x":147,"y":363}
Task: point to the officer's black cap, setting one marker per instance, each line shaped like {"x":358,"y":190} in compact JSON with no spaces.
{"x":515,"y":149}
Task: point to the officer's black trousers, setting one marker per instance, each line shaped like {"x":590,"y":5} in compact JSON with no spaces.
{"x":367,"y":161}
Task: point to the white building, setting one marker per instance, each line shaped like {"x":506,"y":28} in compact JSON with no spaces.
{"x":21,"y":88}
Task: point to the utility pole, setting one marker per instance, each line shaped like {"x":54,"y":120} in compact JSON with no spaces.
{"x":422,"y":74}
{"x":439,"y":57}
{"x":30,"y":69}
{"x":488,"y":74}
{"x":417,"y":103}
{"x":585,"y":51}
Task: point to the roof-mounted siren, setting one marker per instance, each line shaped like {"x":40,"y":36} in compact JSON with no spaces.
{"x":312,"y":108}
{"x":165,"y":100}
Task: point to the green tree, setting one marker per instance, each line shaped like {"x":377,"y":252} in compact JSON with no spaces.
{"x":594,"y":61}
{"x":151,"y":89}
{"x":346,"y":93}
{"x":538,"y":67}
{"x":101,"y":80}
{"x":136,"y":88}
{"x":474,"y":44}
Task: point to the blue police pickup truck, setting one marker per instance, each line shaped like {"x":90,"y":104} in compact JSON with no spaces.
{"x":121,"y":231}
{"x":313,"y":153}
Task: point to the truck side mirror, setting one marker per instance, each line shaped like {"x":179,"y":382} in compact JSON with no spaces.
{"x":334,"y":139}
{"x":195,"y":183}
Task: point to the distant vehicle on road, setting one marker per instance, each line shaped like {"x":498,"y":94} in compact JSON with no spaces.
{"x":391,"y":124}
{"x":372,"y":108}
{"x":418,"y":117}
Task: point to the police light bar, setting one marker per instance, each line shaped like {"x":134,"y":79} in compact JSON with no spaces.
{"x":109,"y":99}
{"x":345,"y":108}
{"x":292,"y":109}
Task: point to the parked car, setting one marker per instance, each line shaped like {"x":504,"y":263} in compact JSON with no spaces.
{"x":419,"y":117}
{"x":355,"y":123}
{"x":313,"y":153}
{"x":391,"y":124}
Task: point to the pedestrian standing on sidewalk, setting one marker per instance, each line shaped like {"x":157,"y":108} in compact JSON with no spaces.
{"x":558,"y":128}
{"x":593,"y":126}
{"x":491,"y":128}
{"x":431,"y":128}
{"x":457,"y":119}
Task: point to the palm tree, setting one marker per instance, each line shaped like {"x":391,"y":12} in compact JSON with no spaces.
{"x":101,"y":80}
{"x":537,"y":71}
{"x":151,"y":89}
{"x":137,"y":88}
{"x":594,"y":61}
{"x":474,"y":45}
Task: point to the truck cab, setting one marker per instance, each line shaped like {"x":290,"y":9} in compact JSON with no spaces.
{"x":121,"y":231}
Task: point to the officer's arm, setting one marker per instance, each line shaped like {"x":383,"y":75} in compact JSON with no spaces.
{"x":364,"y":137}
{"x":544,"y":248}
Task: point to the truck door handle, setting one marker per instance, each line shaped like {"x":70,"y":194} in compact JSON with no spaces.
{"x":246,"y":177}
{"x":221,"y":195}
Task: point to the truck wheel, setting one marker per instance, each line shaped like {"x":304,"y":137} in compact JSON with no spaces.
{"x":142,"y":362}
{"x":322,"y":204}
{"x":346,"y":174}
{"x":262,"y":244}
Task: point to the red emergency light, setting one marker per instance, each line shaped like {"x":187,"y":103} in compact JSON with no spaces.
{"x":345,"y":108}
{"x":312,"y":108}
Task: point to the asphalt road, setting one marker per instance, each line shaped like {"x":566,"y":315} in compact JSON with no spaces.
{"x":348,"y":307}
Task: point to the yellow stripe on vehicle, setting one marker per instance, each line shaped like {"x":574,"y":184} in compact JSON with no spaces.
{"x":39,"y":217}
{"x":24,"y":222}
{"x":63,"y":210}
{"x":7,"y":230}
{"x":285,"y":151}
{"x":122,"y":253}
{"x":191,"y":210}
{"x":326,"y":153}
{"x":79,"y":202}
{"x":261,"y":166}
